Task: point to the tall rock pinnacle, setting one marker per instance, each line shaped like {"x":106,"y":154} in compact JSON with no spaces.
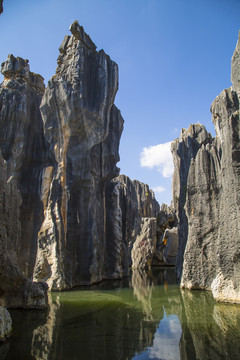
{"x":69,"y":219}
{"x":83,"y":127}
{"x":206,"y":195}
{"x":235,"y":74}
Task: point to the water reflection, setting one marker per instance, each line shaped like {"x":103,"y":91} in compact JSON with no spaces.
{"x":142,"y":289}
{"x":145,"y":317}
{"x":210,"y":330}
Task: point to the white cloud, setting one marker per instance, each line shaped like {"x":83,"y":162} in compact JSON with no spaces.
{"x":158,"y":156}
{"x":158,"y":189}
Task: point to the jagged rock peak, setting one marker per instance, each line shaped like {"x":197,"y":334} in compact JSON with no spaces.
{"x":235,"y":75}
{"x":79,"y":33}
{"x":18,"y":68}
{"x":82,"y":66}
{"x":195,"y":131}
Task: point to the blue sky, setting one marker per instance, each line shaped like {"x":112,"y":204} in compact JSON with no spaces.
{"x":174,"y":58}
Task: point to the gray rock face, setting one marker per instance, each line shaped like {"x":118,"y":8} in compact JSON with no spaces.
{"x":5,"y":324}
{"x":235,"y":75}
{"x":24,"y":149}
{"x":73,"y":224}
{"x":145,"y":244}
{"x":132,"y":225}
{"x":170,"y":249}
{"x":167,"y":239}
{"x":83,"y":127}
{"x":15,"y":289}
{"x":23,"y":155}
{"x":206,"y":188}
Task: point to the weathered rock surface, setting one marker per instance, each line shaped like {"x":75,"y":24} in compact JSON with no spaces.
{"x":206,"y":196}
{"x":15,"y":289}
{"x":5,"y":324}
{"x":145,"y":244}
{"x":235,"y":74}
{"x":132,"y":223}
{"x":68,"y":222}
{"x":21,"y":160}
{"x":24,"y":149}
{"x":83,"y":127}
{"x":170,"y":238}
{"x":167,"y":239}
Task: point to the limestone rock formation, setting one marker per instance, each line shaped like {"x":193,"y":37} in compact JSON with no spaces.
{"x":206,"y":196}
{"x":131,"y":225}
{"x":24,"y":149}
{"x":83,"y":127}
{"x":69,"y":223}
{"x":5,"y":324}
{"x":145,"y":244}
{"x":235,"y":74}
{"x":170,"y":239}
{"x":15,"y":289}
{"x":167,"y":237}
{"x":21,"y":160}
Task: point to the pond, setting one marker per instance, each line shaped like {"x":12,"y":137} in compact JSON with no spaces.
{"x":144,"y":317}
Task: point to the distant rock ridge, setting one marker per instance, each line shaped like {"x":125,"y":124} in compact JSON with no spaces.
{"x":206,"y":196}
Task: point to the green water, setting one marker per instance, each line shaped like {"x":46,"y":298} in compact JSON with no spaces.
{"x":145,"y":317}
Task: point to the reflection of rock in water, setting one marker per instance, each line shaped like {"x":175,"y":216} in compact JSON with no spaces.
{"x":210,"y":330}
{"x":143,"y":291}
{"x":43,"y":336}
{"x":25,"y":322}
{"x":105,"y":323}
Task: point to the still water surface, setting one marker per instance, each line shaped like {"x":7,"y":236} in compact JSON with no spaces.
{"x":145,"y":317}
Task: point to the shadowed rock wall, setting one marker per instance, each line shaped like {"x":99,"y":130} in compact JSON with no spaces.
{"x":24,"y":154}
